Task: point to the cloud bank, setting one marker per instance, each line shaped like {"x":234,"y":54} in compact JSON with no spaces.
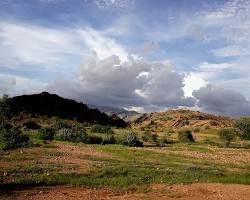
{"x":133,"y":83}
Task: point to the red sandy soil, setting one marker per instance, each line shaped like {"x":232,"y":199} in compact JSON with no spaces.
{"x":197,"y":191}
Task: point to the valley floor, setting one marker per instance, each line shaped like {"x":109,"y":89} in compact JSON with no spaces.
{"x":63,"y":170}
{"x":195,"y":191}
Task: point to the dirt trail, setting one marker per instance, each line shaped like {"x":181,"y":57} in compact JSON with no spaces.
{"x":198,"y":191}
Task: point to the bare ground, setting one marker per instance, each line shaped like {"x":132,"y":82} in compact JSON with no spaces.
{"x":196,"y":191}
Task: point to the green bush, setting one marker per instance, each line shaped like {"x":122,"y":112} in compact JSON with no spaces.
{"x":227,"y":135}
{"x":4,"y":106}
{"x":71,"y":135}
{"x":147,"y":136}
{"x":185,"y":136}
{"x":243,"y":125}
{"x":132,"y":140}
{"x":92,"y":139}
{"x":109,"y":139}
{"x":12,"y":138}
{"x":165,"y":139}
{"x":60,"y":124}
{"x":101,"y":129}
{"x":46,"y":133}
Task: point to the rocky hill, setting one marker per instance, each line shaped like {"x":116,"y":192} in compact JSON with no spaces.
{"x":174,"y":119}
{"x":50,"y":105}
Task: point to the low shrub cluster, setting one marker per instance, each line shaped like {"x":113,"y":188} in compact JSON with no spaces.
{"x":227,"y":135}
{"x":70,"y":135}
{"x":12,"y":138}
{"x":109,"y":139}
{"x":101,"y":129}
{"x":60,"y":124}
{"x":185,"y":136}
{"x":243,"y":125}
{"x":46,"y":133}
{"x":131,"y":139}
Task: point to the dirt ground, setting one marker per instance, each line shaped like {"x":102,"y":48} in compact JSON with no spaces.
{"x":199,"y":191}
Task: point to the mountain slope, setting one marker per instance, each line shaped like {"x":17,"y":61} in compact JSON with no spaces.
{"x":121,"y":113}
{"x":54,"y":105}
{"x":174,"y":119}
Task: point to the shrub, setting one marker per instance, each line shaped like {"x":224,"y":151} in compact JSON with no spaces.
{"x":185,"y":136}
{"x":31,"y":125}
{"x":4,"y":106}
{"x":109,"y":139}
{"x":92,"y":139}
{"x":227,"y":135}
{"x":11,"y":138}
{"x":101,"y":129}
{"x":71,"y":136}
{"x":60,"y":124}
{"x":46,"y":134}
{"x":165,"y":139}
{"x":243,"y":125}
{"x":147,"y":136}
{"x":132,"y":140}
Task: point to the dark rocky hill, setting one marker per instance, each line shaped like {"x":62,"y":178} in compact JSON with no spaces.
{"x":50,"y":105}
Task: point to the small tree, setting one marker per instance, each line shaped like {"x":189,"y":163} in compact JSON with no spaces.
{"x":227,"y":135}
{"x":243,"y":125}
{"x":185,"y":136}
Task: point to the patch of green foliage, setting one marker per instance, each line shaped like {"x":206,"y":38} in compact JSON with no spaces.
{"x":66,"y":134}
{"x":101,"y":129}
{"x":4,"y":107}
{"x":60,"y":124}
{"x":243,"y":125}
{"x":12,"y":138}
{"x":109,"y":139}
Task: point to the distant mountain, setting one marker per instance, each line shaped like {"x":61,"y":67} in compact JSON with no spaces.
{"x":174,"y":119}
{"x":121,"y":113}
{"x":53,"y":105}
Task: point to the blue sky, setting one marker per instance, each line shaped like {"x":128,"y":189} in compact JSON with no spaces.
{"x":136,"y":54}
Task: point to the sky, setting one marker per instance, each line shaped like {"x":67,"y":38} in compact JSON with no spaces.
{"x":143,"y":55}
